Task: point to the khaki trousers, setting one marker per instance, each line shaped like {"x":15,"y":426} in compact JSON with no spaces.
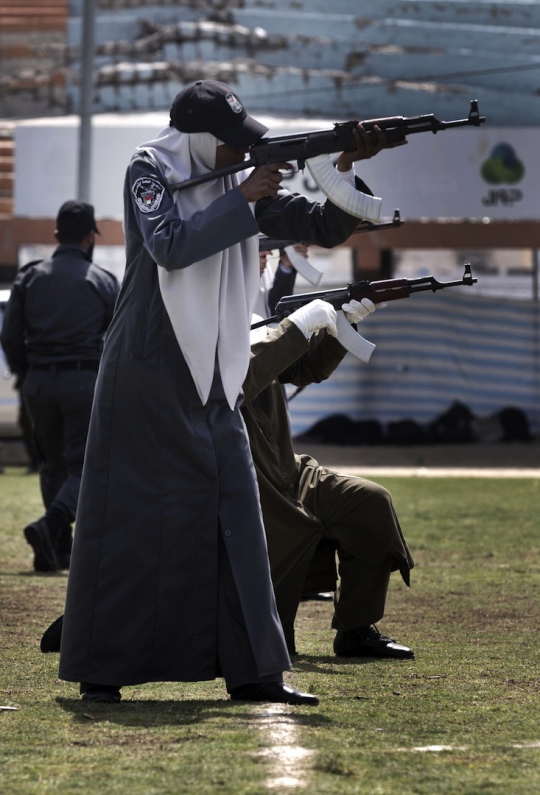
{"x":361,"y":527}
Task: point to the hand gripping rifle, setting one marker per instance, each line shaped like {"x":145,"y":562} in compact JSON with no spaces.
{"x":305,"y":145}
{"x":378,"y":292}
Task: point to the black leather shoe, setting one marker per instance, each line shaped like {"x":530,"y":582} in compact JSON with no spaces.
{"x":38,"y":535}
{"x":50,"y":640}
{"x":368,"y":642}
{"x":317,"y":596}
{"x":106,"y":693}
{"x":273,"y":691}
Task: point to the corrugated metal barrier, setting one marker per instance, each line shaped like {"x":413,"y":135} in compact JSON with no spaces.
{"x":433,"y":350}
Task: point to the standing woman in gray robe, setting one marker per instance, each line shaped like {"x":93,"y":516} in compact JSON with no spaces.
{"x":169,"y":577}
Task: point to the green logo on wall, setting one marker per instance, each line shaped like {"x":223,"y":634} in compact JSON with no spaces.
{"x":502,"y":166}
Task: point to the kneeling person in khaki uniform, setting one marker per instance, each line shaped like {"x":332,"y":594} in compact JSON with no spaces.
{"x":306,"y":507}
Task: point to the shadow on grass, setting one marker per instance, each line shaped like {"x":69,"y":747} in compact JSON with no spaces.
{"x":39,"y":575}
{"x":150,"y":712}
{"x":319,"y":664}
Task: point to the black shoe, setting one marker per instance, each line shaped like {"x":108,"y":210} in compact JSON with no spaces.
{"x":273,"y":691}
{"x":317,"y":596}
{"x":38,"y":535}
{"x":106,"y":693}
{"x":50,"y":640}
{"x":368,"y":642}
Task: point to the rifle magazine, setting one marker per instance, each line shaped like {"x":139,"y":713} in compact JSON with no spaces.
{"x":340,"y":193}
{"x":351,"y":340}
{"x":303,"y":266}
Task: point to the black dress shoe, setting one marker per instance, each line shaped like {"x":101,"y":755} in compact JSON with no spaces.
{"x":317,"y":596}
{"x":39,"y":537}
{"x":273,"y":691}
{"x":106,"y":693}
{"x":368,"y":642}
{"x":50,"y":640}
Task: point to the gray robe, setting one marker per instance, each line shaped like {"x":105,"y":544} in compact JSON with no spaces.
{"x":167,"y":482}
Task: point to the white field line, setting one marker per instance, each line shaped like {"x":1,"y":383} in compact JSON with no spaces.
{"x":438,"y":748}
{"x":435,"y":748}
{"x":436,"y":472}
{"x":289,"y":763}
{"x":531,"y":744}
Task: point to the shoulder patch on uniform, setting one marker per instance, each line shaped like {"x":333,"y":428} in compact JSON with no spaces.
{"x":148,"y":194}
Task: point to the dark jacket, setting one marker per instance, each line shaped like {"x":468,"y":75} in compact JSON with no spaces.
{"x":58,"y":310}
{"x":283,"y":285}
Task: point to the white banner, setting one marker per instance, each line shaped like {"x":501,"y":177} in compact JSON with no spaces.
{"x":459,"y":173}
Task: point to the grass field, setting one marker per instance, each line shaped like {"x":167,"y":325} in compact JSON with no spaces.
{"x":461,"y":719}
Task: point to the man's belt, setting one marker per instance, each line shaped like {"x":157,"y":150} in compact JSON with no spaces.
{"x":53,"y":367}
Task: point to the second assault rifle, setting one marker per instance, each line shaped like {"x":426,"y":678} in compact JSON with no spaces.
{"x":378,"y":292}
{"x":302,"y":146}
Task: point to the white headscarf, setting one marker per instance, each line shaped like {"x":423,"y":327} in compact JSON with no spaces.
{"x":210,"y":302}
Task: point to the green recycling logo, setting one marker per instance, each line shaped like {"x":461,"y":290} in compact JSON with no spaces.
{"x":502,"y":166}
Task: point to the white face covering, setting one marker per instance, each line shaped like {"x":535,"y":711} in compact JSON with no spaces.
{"x":210,"y":302}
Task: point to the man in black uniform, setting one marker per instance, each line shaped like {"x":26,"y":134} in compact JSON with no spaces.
{"x":52,"y":335}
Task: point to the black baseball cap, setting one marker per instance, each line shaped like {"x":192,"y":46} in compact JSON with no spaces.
{"x":210,"y":106}
{"x":76,"y":217}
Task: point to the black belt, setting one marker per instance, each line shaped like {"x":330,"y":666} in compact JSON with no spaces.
{"x":54,"y":367}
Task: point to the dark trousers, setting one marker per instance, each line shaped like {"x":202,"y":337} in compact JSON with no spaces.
{"x":235,"y":657}
{"x":25,"y":424}
{"x":59,"y":404}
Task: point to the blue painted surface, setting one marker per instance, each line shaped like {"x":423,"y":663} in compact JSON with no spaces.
{"x":350,"y":58}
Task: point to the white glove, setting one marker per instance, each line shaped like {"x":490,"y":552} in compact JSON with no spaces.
{"x":315,"y":315}
{"x":355,"y":311}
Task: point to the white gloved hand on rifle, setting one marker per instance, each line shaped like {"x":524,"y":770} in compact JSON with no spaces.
{"x":316,"y":315}
{"x":355,"y":311}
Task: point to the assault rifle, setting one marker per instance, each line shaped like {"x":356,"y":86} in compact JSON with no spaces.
{"x":378,"y":292}
{"x":304,"y":145}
